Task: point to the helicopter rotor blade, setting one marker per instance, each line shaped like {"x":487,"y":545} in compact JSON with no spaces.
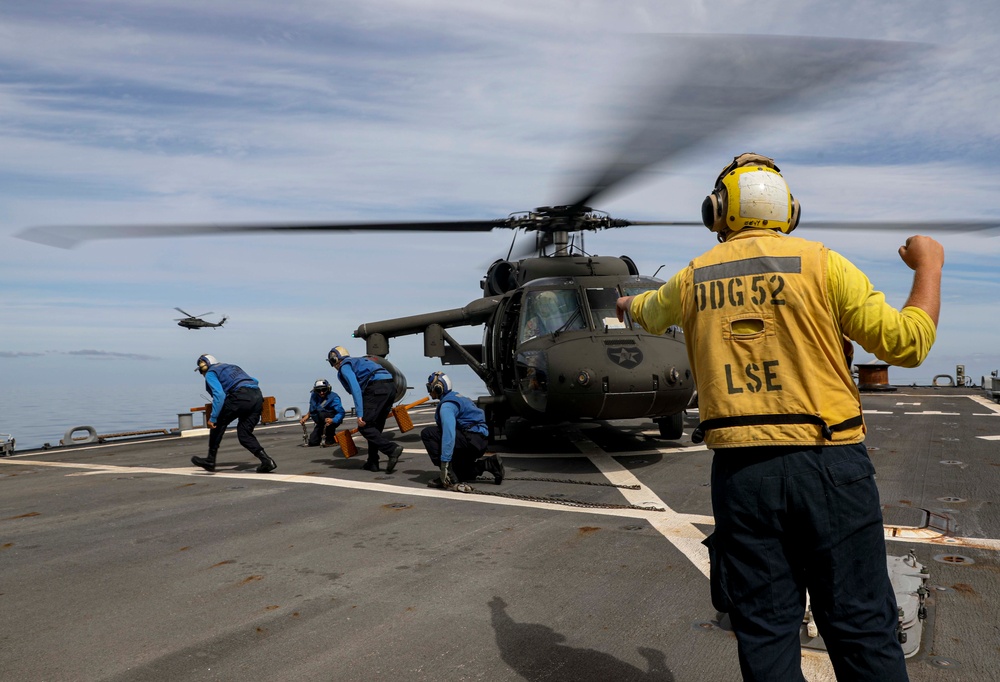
{"x":731,"y":79}
{"x":913,"y":227}
{"x":183,"y":312}
{"x":70,"y":236}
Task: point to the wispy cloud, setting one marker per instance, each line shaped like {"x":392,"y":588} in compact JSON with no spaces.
{"x":88,"y":353}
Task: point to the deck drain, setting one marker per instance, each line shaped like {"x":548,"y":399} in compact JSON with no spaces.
{"x":396,"y":505}
{"x":632,"y":527}
{"x":954,"y":559}
{"x":942,"y":662}
{"x":237,"y":487}
{"x":872,"y":448}
{"x":637,"y":461}
{"x":951,"y":499}
{"x":558,"y":495}
{"x":950,"y":461}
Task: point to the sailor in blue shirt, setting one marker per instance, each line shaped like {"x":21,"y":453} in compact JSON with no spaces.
{"x":235,"y":395}
{"x":373,"y":390}
{"x":326,"y":412}
{"x":457,"y":442}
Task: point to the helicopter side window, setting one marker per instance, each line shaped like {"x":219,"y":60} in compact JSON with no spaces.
{"x":602,"y":308}
{"x":550,"y":311}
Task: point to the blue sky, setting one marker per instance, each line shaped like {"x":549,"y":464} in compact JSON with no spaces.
{"x":173,"y":112}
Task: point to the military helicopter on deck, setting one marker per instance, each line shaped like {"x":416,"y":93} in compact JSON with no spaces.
{"x":195,"y":321}
{"x":553,"y":348}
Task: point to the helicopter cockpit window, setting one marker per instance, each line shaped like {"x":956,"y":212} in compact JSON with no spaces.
{"x":634,"y":289}
{"x":550,"y":311}
{"x":602,"y":308}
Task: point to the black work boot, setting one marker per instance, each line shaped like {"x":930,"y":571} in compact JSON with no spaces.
{"x":397,"y":450}
{"x":371,"y":465}
{"x":267,"y":465}
{"x":494,"y":465}
{"x":206,"y":463}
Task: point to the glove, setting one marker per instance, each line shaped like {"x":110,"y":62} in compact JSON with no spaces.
{"x":447,"y":475}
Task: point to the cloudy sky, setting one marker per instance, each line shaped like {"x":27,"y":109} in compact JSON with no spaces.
{"x":138,"y":111}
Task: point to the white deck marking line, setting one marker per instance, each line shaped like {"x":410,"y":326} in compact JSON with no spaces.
{"x":678,"y":529}
{"x":985,"y":402}
{"x":989,"y":437}
{"x":936,"y":413}
{"x":948,"y":541}
{"x":878,"y":412}
{"x":93,"y":469}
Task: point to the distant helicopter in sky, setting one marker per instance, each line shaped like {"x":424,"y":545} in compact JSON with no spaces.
{"x":195,"y":321}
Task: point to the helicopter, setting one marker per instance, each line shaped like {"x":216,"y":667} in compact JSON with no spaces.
{"x":195,"y":321}
{"x":553,"y":349}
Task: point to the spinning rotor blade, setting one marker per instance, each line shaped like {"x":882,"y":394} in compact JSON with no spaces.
{"x":69,"y":236}
{"x":961,"y":226}
{"x":182,"y":312}
{"x":729,"y":80}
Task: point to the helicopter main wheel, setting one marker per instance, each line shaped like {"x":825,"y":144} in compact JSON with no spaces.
{"x":672,"y":426}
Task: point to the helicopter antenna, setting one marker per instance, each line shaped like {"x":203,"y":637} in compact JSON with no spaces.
{"x":512,"y":241}
{"x":658,"y":270}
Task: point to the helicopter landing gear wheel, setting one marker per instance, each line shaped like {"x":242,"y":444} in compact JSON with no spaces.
{"x":672,"y":426}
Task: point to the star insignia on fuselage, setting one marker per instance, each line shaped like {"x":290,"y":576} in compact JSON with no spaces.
{"x":625,"y":356}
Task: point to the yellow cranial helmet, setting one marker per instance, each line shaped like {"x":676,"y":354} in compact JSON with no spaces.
{"x":750,"y":192}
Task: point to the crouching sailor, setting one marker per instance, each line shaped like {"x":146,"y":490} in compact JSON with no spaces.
{"x":326,"y":411}
{"x":457,"y":442}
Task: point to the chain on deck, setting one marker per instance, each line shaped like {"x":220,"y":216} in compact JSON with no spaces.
{"x":468,"y":489}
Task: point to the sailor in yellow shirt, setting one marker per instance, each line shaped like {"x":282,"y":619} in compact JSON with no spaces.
{"x":765,"y":316}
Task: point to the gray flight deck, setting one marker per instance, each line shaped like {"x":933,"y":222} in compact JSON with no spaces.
{"x":121,"y":561}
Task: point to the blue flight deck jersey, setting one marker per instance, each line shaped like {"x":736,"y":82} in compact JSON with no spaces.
{"x":220,"y":380}
{"x":355,"y":374}
{"x":455,"y":410}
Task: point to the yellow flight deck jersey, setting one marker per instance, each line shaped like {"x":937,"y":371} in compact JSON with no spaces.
{"x":764,"y":317}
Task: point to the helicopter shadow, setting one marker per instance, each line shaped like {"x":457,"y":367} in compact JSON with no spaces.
{"x":536,"y":652}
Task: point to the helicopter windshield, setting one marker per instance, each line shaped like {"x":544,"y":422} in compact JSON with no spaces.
{"x":549,"y":311}
{"x":602,"y":308}
{"x":634,"y":289}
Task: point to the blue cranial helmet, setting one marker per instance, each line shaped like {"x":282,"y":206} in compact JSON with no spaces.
{"x":438,"y":384}
{"x":204,"y":362}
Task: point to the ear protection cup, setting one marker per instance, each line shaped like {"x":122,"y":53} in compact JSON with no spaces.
{"x":708,"y":210}
{"x":793,"y":221}
{"x":713,"y":210}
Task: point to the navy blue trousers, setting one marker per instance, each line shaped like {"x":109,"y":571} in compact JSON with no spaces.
{"x":788,"y":519}
{"x":244,"y":404}
{"x":465,"y":458}
{"x":378,"y":397}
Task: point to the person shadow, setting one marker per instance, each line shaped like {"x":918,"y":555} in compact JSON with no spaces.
{"x":536,"y":652}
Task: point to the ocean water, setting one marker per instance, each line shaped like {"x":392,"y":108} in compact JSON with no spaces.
{"x":36,"y":415}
